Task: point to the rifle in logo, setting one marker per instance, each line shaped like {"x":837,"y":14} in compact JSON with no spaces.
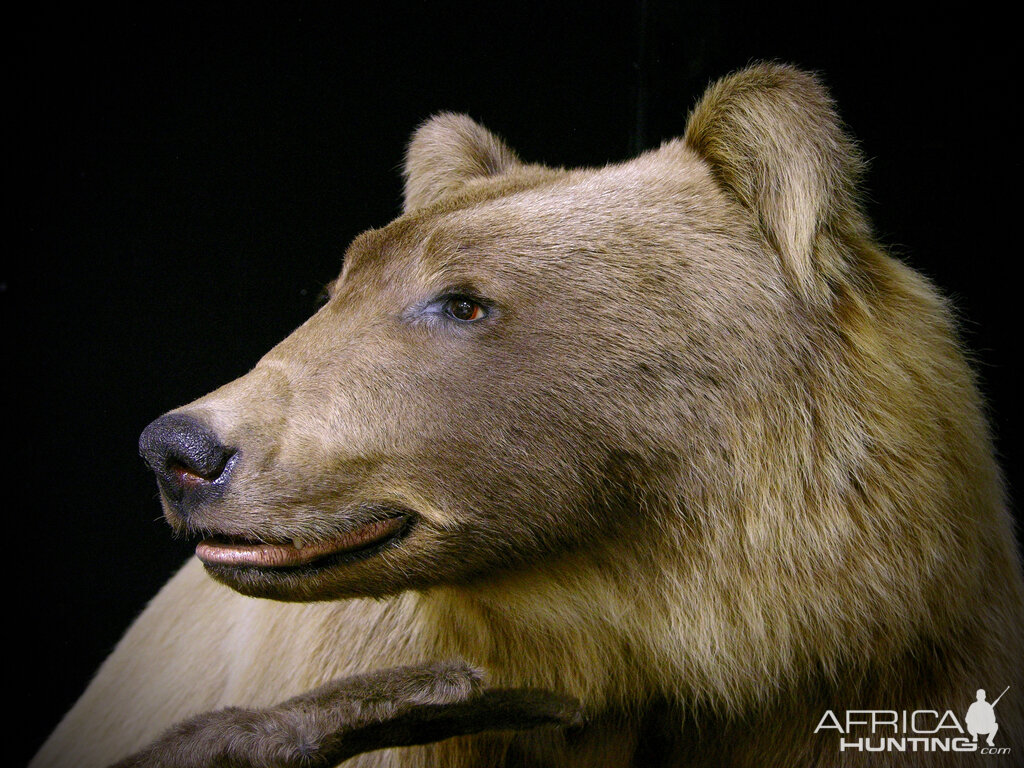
{"x":981,"y":717}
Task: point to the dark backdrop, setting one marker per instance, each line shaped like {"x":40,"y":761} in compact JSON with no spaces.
{"x":185,"y":182}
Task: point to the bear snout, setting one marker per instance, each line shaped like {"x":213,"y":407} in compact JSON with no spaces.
{"x":191,"y":464}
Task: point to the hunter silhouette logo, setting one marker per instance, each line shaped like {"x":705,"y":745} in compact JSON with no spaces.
{"x":919,"y":730}
{"x":981,"y":717}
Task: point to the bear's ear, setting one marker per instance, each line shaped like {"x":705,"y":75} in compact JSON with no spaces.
{"x":774,"y":141}
{"x":447,"y":151}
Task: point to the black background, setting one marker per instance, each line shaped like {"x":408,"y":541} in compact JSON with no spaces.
{"x":185,"y":182}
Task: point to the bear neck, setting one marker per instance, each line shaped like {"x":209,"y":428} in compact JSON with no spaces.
{"x":611,"y":632}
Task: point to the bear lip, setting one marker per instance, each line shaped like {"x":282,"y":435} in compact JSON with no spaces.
{"x":219,"y":551}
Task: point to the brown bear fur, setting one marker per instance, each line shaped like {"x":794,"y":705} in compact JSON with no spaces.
{"x":713,"y":463}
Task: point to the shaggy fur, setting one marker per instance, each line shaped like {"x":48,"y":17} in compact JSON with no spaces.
{"x":712,"y":463}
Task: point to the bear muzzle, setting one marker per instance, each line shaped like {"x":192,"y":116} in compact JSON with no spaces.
{"x":195,"y":472}
{"x":191,"y":465}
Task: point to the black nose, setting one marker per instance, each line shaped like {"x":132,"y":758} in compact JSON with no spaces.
{"x":190,"y":463}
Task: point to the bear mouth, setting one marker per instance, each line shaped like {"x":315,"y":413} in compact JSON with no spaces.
{"x":237,"y":553}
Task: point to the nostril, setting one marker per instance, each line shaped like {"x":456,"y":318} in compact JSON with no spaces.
{"x":183,"y":452}
{"x":189,"y":475}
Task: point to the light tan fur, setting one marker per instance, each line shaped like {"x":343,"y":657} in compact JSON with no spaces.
{"x":791,"y":501}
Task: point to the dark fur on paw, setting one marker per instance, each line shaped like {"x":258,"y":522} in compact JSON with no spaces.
{"x":401,"y":706}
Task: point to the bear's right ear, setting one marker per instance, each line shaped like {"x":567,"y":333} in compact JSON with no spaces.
{"x":447,"y":151}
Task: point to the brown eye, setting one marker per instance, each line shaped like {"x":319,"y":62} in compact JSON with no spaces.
{"x":463,"y":309}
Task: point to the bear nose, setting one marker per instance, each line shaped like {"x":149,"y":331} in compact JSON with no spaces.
{"x":190,"y":463}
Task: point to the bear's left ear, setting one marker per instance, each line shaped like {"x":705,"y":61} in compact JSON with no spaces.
{"x":447,"y":151}
{"x":774,"y":141}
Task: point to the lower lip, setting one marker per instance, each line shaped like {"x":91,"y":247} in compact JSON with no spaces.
{"x":253,"y":555}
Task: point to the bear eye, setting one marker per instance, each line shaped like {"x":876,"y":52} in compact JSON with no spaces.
{"x":464,"y":309}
